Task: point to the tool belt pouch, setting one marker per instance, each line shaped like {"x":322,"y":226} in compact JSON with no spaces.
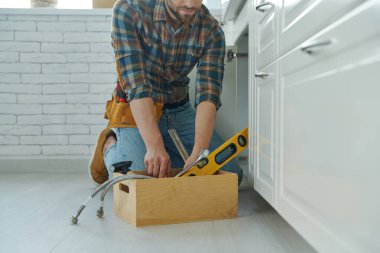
{"x":119,"y":113}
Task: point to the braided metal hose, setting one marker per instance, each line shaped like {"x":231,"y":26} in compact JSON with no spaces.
{"x":74,"y":219}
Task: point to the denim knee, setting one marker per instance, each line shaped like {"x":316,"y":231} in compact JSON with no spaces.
{"x":110,"y":157}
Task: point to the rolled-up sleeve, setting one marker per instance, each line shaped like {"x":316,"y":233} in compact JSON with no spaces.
{"x":210,"y":69}
{"x":128,"y":51}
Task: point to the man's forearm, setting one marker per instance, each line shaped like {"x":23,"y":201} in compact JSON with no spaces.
{"x":144,"y":114}
{"x":156,"y":160}
{"x":204,"y":126}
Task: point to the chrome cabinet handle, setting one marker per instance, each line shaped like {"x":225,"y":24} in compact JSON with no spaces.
{"x":316,"y":46}
{"x":262,"y":75}
{"x":262,"y":6}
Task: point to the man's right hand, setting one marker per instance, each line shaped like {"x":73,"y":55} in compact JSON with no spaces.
{"x":157,"y":161}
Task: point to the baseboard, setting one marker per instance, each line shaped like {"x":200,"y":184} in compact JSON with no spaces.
{"x":55,"y":165}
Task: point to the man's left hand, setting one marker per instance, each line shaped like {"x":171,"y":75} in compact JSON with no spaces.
{"x":190,"y":160}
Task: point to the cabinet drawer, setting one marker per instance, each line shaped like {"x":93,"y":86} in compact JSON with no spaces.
{"x":353,"y":29}
{"x":303,"y":18}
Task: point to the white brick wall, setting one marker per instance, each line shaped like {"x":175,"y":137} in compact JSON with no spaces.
{"x":9,"y":57}
{"x":15,"y":46}
{"x":6,"y":35}
{"x":56,"y":72}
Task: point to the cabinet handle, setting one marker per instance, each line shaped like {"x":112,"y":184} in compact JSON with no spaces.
{"x":316,"y":46}
{"x":262,"y":7}
{"x":262,"y":75}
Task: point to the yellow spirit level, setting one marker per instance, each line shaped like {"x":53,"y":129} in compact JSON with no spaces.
{"x":219,"y":157}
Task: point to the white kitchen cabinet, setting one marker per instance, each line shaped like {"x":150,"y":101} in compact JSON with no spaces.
{"x":315,"y":120}
{"x":265,"y":133}
{"x":327,"y":187}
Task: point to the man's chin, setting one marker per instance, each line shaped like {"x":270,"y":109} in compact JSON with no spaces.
{"x":186,"y":18}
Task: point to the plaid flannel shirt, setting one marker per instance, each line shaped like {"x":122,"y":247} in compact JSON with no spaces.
{"x":154,"y":59}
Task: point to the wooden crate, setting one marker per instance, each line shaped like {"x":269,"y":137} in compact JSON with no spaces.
{"x":155,"y":201}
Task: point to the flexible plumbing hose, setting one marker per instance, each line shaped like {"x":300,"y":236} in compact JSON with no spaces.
{"x":74,"y":219}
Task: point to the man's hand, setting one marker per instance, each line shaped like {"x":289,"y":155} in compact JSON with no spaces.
{"x":157,"y":161}
{"x":190,"y":160}
{"x":204,"y":127}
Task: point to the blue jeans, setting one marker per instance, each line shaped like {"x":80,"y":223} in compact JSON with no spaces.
{"x":131,"y":147}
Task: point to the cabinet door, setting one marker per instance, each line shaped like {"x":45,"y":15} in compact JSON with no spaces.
{"x":265,"y":133}
{"x":329,"y":139}
{"x":265,"y":103}
{"x":266,"y":26}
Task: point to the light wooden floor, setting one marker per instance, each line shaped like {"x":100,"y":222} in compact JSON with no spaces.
{"x":35,"y":209}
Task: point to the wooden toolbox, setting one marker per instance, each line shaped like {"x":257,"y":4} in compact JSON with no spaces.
{"x":157,"y":201}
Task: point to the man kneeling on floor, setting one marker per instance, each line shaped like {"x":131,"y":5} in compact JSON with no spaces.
{"x":157,"y":43}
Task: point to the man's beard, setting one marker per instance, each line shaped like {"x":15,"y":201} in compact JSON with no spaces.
{"x":178,"y":16}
